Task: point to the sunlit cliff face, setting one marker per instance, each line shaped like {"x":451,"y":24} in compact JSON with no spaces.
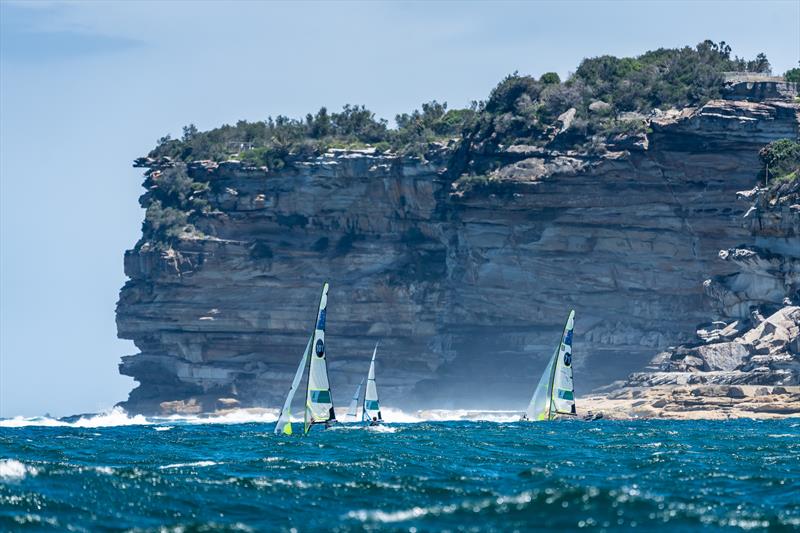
{"x":466,"y":285}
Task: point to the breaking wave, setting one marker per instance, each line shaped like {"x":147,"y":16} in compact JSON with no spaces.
{"x":119,"y":417}
{"x":13,"y":470}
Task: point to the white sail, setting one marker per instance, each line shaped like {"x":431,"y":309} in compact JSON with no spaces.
{"x":372,"y":407}
{"x":319,"y":403}
{"x":563,"y":389}
{"x":554,"y":394}
{"x":352,"y":410}
{"x":538,"y":408}
{"x":284,"y":419}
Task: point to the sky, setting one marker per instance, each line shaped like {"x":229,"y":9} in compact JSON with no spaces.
{"x":86,"y":87}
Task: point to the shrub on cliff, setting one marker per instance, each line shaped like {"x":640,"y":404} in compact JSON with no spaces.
{"x":519,"y":110}
{"x":276,"y":141}
{"x":434,"y":122}
{"x":602,"y":92}
{"x":792,"y":75}
{"x":164,"y":225}
{"x":781,"y":159}
{"x":174,"y":200}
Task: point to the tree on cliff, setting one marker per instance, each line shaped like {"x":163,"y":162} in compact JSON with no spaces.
{"x":781,"y":159}
{"x":520,"y":109}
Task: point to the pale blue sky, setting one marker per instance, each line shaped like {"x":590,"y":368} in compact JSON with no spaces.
{"x":87,"y":87}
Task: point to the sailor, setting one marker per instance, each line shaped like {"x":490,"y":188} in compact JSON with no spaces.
{"x":374,"y":421}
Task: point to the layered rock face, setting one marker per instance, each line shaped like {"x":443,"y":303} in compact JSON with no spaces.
{"x":748,"y":360}
{"x":465,"y":283}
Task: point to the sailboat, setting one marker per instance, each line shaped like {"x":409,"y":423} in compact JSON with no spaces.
{"x":554,"y":396}
{"x":372,"y":407}
{"x":352,"y":410}
{"x":319,"y":403}
{"x":371,"y":410}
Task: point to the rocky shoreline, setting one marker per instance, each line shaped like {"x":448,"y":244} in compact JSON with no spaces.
{"x":747,"y":362}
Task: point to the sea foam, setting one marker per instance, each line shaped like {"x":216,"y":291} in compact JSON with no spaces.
{"x":117,"y":416}
{"x":13,"y":470}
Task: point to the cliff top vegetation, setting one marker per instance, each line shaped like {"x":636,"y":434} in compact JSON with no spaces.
{"x":608,"y":94}
{"x":781,"y":160}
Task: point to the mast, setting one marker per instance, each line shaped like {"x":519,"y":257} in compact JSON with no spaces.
{"x":319,"y":403}
{"x":553,"y":378}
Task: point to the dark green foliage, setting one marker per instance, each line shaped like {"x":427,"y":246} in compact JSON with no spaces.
{"x":781,"y":159}
{"x":174,"y":201}
{"x":522,"y":110}
{"x":665,"y":77}
{"x":548,"y":78}
{"x":505,"y":96}
{"x":276,"y":142}
{"x":519,"y":110}
{"x":793,"y":75}
{"x":434,"y":122}
{"x":164,"y":224}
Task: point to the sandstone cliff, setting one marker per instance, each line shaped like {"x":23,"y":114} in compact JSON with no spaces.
{"x":747,"y":362}
{"x":466,"y":282}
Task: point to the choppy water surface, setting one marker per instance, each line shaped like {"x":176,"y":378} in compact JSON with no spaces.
{"x":654,"y":475}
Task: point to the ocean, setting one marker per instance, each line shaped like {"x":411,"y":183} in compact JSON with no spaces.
{"x":113,"y":472}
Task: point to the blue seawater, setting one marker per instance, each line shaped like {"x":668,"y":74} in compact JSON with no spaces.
{"x":654,"y":475}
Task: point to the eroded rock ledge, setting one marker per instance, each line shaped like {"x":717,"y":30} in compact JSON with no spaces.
{"x":466,"y":282}
{"x":747,"y":363}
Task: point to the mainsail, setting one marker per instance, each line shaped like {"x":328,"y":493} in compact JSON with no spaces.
{"x":319,"y":403}
{"x":554,"y":394}
{"x":372,"y":408}
{"x":352,"y":410}
{"x":563,"y":391}
{"x":285,"y":418}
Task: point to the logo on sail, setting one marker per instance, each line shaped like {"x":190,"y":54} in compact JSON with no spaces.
{"x":321,"y":321}
{"x":319,"y":348}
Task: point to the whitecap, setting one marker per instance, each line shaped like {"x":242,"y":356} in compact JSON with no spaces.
{"x":13,"y":470}
{"x":183,"y":465}
{"x":378,"y":515}
{"x":234,"y":416}
{"x":163,"y":428}
{"x":112,"y":418}
{"x":381,"y":429}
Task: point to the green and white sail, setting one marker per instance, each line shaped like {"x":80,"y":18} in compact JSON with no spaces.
{"x":555,"y":394}
{"x":352,"y":409}
{"x":372,"y":407}
{"x":319,"y":403}
{"x":285,"y":418}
